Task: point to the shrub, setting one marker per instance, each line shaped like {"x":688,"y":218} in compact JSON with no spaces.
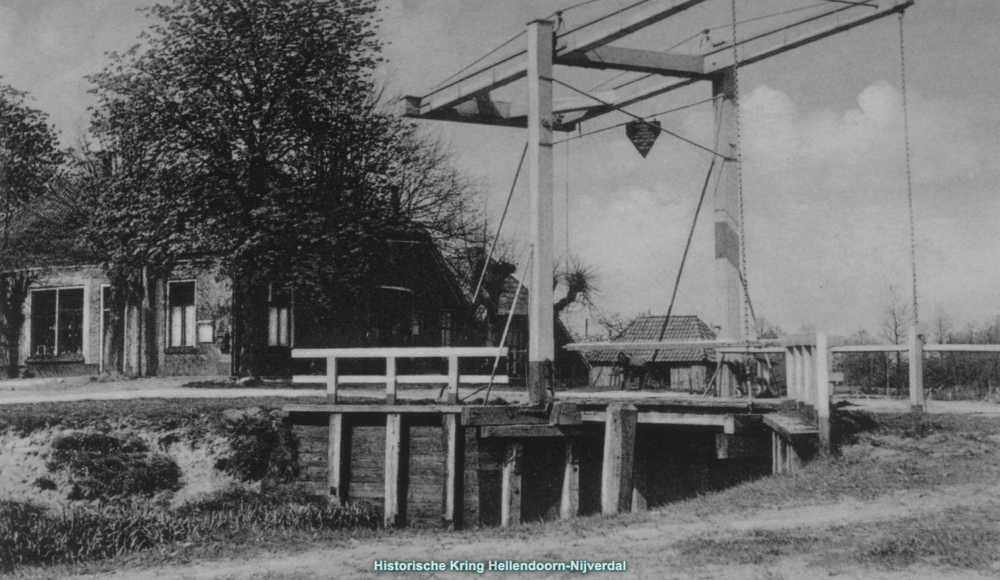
{"x":261,"y":448}
{"x":105,"y":466}
{"x":30,"y":535}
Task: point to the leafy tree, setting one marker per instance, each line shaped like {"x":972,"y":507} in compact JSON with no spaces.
{"x":251,"y":133}
{"x":29,"y":159}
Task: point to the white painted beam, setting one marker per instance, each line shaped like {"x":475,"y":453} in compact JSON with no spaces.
{"x":541,"y":323}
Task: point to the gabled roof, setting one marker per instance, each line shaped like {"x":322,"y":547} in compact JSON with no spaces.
{"x":507,"y":298}
{"x":648,"y":328}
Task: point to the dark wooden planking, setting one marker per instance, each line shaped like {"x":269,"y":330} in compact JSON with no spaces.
{"x":504,"y":415}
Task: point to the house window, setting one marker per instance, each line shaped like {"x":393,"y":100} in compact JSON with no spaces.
{"x":57,"y":322}
{"x":180,"y":298}
{"x":447,"y":328}
{"x":105,"y":316}
{"x":279,"y":316}
{"x":417,"y":322}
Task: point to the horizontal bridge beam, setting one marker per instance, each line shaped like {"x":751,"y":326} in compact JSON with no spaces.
{"x":665,"y":345}
{"x":634,"y":60}
{"x":582,"y":40}
{"x":401,"y":352}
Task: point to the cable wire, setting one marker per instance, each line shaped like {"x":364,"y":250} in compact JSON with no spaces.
{"x":653,"y":116}
{"x":634,"y":116}
{"x":909,"y":171}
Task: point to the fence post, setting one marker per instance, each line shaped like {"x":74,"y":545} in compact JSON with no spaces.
{"x":916,"y":371}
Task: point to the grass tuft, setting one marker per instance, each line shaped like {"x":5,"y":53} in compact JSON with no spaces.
{"x":104,"y":466}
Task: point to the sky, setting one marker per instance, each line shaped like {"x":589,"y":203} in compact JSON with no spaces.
{"x":824,"y":164}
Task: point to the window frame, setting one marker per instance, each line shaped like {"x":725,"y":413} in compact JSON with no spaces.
{"x":102,"y":326}
{"x":446,"y":322}
{"x":188,"y":336}
{"x":32,"y":319}
{"x":280,"y":328}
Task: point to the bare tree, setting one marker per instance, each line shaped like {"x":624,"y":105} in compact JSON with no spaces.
{"x":894,"y":327}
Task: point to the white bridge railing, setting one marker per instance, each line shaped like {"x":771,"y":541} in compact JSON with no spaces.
{"x":391,"y":379}
{"x":808,"y":363}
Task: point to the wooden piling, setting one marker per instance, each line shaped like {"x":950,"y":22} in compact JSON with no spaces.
{"x":619,"y":453}
{"x":394,"y":470}
{"x":569,"y":506}
{"x":640,"y":482}
{"x":510,"y":493}
{"x":453,"y":472}
{"x":337,"y":459}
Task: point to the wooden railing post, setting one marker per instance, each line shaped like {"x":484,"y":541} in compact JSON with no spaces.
{"x":453,"y":380}
{"x":823,"y":391}
{"x":799,"y":363}
{"x":331,"y":380}
{"x":789,"y":374}
{"x":808,"y":376}
{"x":916,"y":371}
{"x":617,"y":477}
{"x":391,"y":382}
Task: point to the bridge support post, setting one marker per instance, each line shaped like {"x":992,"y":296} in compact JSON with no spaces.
{"x":541,"y":317}
{"x":617,"y":477}
{"x":729,"y":286}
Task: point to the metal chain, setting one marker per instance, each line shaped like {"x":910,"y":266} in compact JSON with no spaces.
{"x":739,"y":184}
{"x":739,"y":191}
{"x":909,"y":171}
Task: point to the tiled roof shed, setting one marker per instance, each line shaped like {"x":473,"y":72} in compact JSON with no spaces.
{"x":648,"y":328}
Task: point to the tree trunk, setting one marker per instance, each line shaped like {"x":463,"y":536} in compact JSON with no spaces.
{"x":250,"y":322}
{"x":13,"y":294}
{"x":122,"y":328}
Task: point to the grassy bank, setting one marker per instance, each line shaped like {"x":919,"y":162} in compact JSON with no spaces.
{"x":937,"y":457}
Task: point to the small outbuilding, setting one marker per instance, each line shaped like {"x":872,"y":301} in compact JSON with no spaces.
{"x":686,"y":369}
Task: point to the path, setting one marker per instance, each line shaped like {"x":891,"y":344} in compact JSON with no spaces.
{"x":22,"y":391}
